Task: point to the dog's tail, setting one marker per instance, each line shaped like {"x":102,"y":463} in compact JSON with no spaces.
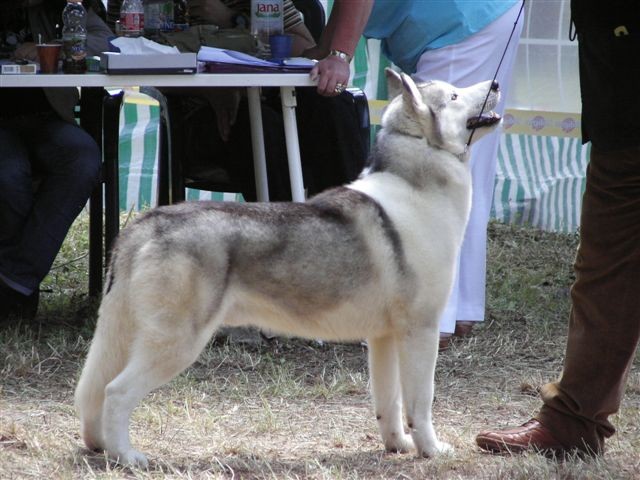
{"x":107,"y":357}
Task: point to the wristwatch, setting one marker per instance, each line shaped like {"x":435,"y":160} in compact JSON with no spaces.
{"x":340,"y":54}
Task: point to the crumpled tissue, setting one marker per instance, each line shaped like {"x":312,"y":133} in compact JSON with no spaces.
{"x":141,"y":46}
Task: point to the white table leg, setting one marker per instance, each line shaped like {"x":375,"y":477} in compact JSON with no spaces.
{"x":288,"y":96}
{"x":257,"y":141}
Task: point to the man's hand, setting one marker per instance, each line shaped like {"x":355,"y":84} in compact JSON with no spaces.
{"x":332,"y":74}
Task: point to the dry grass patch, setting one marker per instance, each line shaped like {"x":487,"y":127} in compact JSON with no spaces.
{"x":288,"y":409}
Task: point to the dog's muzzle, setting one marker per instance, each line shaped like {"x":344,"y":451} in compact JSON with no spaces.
{"x":485,"y":120}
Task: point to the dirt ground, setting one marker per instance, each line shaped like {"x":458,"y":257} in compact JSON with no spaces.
{"x":293,"y":409}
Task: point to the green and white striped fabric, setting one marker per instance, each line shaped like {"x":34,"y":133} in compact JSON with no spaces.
{"x":138,"y":150}
{"x":540,"y":181}
{"x":138,"y":153}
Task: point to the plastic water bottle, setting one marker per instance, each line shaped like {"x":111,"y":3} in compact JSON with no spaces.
{"x":131,"y":18}
{"x":266,"y":20}
{"x":74,"y":37}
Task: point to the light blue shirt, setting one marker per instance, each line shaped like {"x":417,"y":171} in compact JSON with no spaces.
{"x":408,"y":28}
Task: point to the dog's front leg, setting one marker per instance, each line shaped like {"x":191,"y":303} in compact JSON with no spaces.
{"x":387,"y":396}
{"x":418,"y":352}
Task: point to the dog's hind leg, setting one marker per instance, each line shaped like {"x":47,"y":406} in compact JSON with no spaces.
{"x":418,"y":352}
{"x":106,"y":358}
{"x":387,"y":396}
{"x":157,"y":357}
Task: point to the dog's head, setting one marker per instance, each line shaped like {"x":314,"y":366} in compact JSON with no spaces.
{"x":441,"y":113}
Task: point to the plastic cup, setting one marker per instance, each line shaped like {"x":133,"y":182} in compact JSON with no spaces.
{"x":280,"y":46}
{"x":49,"y":55}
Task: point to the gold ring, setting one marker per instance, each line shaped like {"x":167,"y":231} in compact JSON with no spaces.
{"x":339,"y":88}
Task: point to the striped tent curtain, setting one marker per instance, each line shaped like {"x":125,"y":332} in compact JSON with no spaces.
{"x":540,"y":181}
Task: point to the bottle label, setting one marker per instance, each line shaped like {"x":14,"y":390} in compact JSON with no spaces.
{"x":132,"y":23}
{"x":268,"y":10}
{"x":75,"y":53}
{"x":74,"y":48}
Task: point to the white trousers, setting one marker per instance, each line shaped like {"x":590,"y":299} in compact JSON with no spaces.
{"x":471,"y":61}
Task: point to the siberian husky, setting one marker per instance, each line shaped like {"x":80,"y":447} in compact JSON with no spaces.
{"x":373,"y":259}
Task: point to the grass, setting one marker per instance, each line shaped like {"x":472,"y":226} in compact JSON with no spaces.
{"x":298,"y":409}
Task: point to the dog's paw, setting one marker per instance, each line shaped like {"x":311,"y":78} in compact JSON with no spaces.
{"x":399,"y":444}
{"x":444,"y":447}
{"x":438,"y":448}
{"x":131,"y":458}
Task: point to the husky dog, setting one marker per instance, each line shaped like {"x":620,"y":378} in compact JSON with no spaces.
{"x":372,"y":260}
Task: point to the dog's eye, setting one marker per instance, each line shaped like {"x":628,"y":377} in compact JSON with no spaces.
{"x":454,"y":96}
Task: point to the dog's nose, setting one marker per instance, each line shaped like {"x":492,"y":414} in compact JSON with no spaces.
{"x":495,"y":86}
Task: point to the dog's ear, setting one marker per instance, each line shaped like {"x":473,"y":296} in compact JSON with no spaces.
{"x":403,"y":84}
{"x":394,"y":83}
{"x":412,"y":96}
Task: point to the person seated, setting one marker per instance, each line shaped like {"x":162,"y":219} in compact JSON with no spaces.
{"x":48,"y":164}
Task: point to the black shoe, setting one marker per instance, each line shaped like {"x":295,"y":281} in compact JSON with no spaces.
{"x":14,"y":304}
{"x":8,"y":299}
{"x":28,"y":307}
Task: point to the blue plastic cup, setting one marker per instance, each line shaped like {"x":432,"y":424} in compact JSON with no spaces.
{"x":280,"y":46}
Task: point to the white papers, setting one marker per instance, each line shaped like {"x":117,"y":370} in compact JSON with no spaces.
{"x":232,"y":57}
{"x":219,"y":55}
{"x":141,"y":46}
{"x":301,"y":62}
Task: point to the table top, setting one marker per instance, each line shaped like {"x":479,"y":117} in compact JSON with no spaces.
{"x":151,"y":80}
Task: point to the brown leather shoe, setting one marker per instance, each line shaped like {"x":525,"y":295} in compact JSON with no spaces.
{"x":463,"y":328}
{"x":445,"y":341}
{"x":531,"y":436}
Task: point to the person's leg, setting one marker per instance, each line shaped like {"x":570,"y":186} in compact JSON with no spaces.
{"x":16,"y":190}
{"x":16,"y":199}
{"x":471,"y":61}
{"x":67,"y":160}
{"x":604,"y":324}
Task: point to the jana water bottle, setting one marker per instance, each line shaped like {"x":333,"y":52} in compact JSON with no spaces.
{"x":266,"y":20}
{"x":74,"y":37}
{"x":131,"y":18}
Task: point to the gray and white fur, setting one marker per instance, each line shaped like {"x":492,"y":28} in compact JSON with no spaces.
{"x":372,"y":260}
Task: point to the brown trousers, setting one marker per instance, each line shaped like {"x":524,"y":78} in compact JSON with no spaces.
{"x":604,"y":325}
